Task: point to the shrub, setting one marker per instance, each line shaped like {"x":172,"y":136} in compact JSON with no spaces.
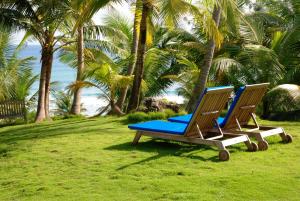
{"x":180,"y":113}
{"x":142,"y":116}
{"x":157,"y":115}
{"x":137,"y":117}
{"x":170,"y":113}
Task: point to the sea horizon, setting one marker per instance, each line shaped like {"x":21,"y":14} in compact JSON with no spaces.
{"x":65,"y":75}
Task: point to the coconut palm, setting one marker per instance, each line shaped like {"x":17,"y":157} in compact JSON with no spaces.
{"x":168,"y":11}
{"x":106,"y":79}
{"x":186,"y":79}
{"x":273,"y":58}
{"x":285,"y":35}
{"x":134,"y":43}
{"x":147,"y":6}
{"x":82,"y":11}
{"x":16,"y":76}
{"x":41,"y":20}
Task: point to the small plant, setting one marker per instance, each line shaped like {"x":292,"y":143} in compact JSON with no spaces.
{"x":142,"y":116}
{"x":137,"y":117}
{"x":170,"y":113}
{"x":157,"y":115}
{"x":182,"y":112}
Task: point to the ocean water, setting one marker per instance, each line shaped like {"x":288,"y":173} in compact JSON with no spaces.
{"x":64,"y":75}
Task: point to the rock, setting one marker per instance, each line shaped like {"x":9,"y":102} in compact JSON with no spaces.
{"x":155,"y":105}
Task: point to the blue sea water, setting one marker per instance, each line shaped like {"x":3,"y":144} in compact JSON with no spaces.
{"x":65,"y":75}
{"x":61,"y":73}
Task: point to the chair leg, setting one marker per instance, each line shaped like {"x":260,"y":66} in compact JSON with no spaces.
{"x":252,"y":146}
{"x":263,"y":145}
{"x":286,"y":137}
{"x":137,"y":137}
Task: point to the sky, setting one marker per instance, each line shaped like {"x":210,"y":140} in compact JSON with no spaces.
{"x":123,"y":8}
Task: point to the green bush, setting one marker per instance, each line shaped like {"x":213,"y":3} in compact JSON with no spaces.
{"x":142,"y":116}
{"x":137,"y":117}
{"x":157,"y":115}
{"x":170,"y":113}
{"x":180,"y":113}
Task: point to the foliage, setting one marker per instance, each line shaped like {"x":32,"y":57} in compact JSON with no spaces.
{"x":142,"y":116}
{"x":157,"y":115}
{"x":283,"y":98}
{"x":137,"y":117}
{"x":63,"y":103}
{"x":16,"y":75}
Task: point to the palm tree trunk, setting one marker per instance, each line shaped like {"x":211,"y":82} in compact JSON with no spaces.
{"x":47,"y":85}
{"x":76,"y":105}
{"x":41,"y":115}
{"x":139,"y":68}
{"x":44,"y":87}
{"x":201,"y":82}
{"x":123,"y":93}
{"x":114,"y":109}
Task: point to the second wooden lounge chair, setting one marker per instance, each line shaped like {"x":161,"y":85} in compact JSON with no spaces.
{"x":241,"y":112}
{"x":203,"y":127}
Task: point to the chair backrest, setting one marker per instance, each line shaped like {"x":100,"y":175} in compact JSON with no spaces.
{"x":245,"y":102}
{"x":210,"y":104}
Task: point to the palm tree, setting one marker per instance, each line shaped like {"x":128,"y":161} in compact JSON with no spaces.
{"x":134,"y":43}
{"x":200,"y":84}
{"x":282,"y":25}
{"x":16,"y":76}
{"x":170,"y":12}
{"x":82,"y":12}
{"x":41,"y":20}
{"x":105,"y":77}
{"x":141,"y":48}
{"x":273,"y":58}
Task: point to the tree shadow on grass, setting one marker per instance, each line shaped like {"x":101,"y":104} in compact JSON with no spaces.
{"x":47,"y":130}
{"x":165,"y":148}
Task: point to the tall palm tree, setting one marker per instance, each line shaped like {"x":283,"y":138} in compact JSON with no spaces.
{"x":200,"y":84}
{"x":134,"y":43}
{"x":168,"y":11}
{"x":231,"y":14}
{"x":141,"y":48}
{"x":41,"y":20}
{"x":83,"y":11}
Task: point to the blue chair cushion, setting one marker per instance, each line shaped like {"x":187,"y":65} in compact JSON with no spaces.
{"x":181,"y":119}
{"x":160,"y":126}
{"x":185,"y":119}
{"x":233,"y":104}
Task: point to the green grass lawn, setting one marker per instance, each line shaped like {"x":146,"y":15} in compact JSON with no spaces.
{"x":94,"y":160}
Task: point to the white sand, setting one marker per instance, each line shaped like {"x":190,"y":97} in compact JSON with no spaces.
{"x":93,"y":103}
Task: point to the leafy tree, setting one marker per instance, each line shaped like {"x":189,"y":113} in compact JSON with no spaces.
{"x":170,"y":12}
{"x":41,"y":20}
{"x":16,"y":76}
{"x":82,"y":11}
{"x":106,"y":79}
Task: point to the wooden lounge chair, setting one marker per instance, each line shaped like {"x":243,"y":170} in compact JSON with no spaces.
{"x":203,"y":127}
{"x":241,"y":111}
